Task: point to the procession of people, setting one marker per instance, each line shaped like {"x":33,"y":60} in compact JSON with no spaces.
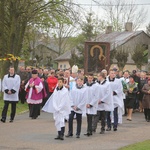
{"x":70,"y":94}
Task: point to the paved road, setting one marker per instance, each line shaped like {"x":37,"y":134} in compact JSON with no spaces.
{"x":27,"y":134}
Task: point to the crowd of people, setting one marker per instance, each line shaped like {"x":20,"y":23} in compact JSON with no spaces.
{"x":68,"y":94}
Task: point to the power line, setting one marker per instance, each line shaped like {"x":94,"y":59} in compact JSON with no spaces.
{"x":147,"y":4}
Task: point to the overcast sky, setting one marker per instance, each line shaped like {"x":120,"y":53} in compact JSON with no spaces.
{"x":98,"y":10}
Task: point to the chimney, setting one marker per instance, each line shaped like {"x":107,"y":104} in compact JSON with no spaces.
{"x":108,"y":29}
{"x":128,"y":26}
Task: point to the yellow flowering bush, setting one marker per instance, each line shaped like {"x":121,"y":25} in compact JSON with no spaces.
{"x":10,"y":57}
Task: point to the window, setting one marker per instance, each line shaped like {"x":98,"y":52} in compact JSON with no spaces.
{"x":64,"y":66}
{"x":61,"y":66}
{"x":51,"y":65}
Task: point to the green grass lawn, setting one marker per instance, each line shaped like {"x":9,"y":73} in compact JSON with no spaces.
{"x":138,"y":146}
{"x":20,"y":108}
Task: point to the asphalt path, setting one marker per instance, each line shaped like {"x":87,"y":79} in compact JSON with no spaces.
{"x":27,"y":134}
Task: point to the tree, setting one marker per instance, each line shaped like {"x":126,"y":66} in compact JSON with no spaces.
{"x":64,"y":29}
{"x":118,"y":12}
{"x":112,"y":56}
{"x":138,"y":56}
{"x":88,"y":28}
{"x":148,"y":29}
{"x":61,"y":34}
{"x":121,"y":56}
{"x":74,"y":58}
{"x":16,"y":16}
{"x":88,"y":33}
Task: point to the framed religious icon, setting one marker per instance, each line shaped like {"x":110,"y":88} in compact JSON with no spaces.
{"x":97,"y":57}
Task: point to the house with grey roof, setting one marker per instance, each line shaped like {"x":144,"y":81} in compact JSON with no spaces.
{"x":126,"y":40}
{"x":63,"y":60}
{"x":44,"y":54}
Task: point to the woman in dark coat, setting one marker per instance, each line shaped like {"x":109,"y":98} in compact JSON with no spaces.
{"x":146,"y":100}
{"x":132,"y":89}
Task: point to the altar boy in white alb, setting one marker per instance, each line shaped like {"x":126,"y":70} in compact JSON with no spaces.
{"x":105,"y":101}
{"x":117,"y":91}
{"x":59,"y":105}
{"x":10,"y":86}
{"x":91,"y":103}
{"x":77,"y":98}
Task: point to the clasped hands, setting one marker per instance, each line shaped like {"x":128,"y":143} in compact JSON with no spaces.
{"x":31,"y":85}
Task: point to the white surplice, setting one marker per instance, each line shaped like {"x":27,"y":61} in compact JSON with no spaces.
{"x":91,"y":99}
{"x":120,"y":111}
{"x":38,"y":89}
{"x":126,"y":80}
{"x":59,"y":105}
{"x":117,"y":87}
{"x":104,"y":94}
{"x":11,"y":83}
{"x":78,"y":98}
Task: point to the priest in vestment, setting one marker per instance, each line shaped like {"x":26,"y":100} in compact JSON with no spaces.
{"x":35,"y":94}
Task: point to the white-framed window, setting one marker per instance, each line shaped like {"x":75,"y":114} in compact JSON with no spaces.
{"x":61,"y":66}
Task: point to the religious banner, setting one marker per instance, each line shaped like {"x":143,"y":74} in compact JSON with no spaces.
{"x":97,"y":57}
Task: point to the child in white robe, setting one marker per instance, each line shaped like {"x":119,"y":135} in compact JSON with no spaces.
{"x":77,"y":98}
{"x":117,"y":90}
{"x":105,"y":102}
{"x":91,"y":103}
{"x":59,"y":105}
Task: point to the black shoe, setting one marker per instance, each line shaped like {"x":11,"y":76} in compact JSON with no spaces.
{"x":57,"y":138}
{"x":94,"y":130}
{"x":34,"y":117}
{"x":88,"y":134}
{"x":115,"y":129}
{"x":77,"y":136}
{"x":148,"y":120}
{"x":108,"y":129}
{"x":102,"y":132}
{"x":10,"y":120}
{"x":129,"y":119}
{"x":61,"y":137}
{"x":2,"y":120}
{"x":69,"y":135}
